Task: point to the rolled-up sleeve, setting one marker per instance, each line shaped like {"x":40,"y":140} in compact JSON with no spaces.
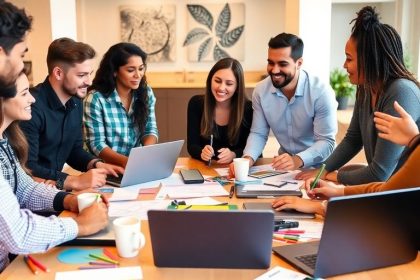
{"x":151,"y":126}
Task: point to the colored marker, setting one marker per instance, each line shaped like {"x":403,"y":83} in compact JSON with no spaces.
{"x":31,"y":265}
{"x":315,"y":182}
{"x":38,"y":264}
{"x":105,"y":259}
{"x":110,"y":255}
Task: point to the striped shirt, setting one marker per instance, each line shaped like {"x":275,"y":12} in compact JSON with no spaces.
{"x":107,"y":123}
{"x":21,"y":231}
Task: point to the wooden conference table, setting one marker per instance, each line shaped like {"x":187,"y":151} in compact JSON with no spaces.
{"x":18,"y":269}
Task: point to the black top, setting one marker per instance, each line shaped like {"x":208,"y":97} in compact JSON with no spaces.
{"x":196,"y":142}
{"x":54,"y":134}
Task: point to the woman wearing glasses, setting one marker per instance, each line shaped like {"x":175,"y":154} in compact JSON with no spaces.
{"x":119,"y":113}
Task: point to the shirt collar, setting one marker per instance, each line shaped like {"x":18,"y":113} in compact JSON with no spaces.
{"x":299,"y":88}
{"x":52,"y":98}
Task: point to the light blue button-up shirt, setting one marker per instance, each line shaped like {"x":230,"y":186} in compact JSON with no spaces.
{"x":305,"y":126}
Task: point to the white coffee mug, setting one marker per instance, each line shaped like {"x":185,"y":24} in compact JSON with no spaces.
{"x":128,"y":237}
{"x":87,"y":199}
{"x":241,"y":167}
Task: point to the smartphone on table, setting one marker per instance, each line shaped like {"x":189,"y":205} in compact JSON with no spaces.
{"x":191,"y":176}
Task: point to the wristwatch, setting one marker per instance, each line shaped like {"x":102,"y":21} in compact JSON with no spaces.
{"x":96,"y":162}
{"x":59,"y":183}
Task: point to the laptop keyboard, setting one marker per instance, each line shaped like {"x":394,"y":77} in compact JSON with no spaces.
{"x":308,"y":260}
{"x":113,"y":179}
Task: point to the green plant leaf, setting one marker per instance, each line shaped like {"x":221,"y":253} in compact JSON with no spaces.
{"x":223,"y":21}
{"x":195,"y":35}
{"x":340,"y":83}
{"x":201,"y":15}
{"x":230,"y":38}
{"x":204,"y":48}
{"x":219,"y":53}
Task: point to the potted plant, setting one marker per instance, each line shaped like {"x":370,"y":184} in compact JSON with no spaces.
{"x":342,"y":87}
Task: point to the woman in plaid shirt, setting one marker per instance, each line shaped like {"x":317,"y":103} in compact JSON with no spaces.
{"x":120,"y":112}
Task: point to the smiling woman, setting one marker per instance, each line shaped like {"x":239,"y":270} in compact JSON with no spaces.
{"x":120,"y":112}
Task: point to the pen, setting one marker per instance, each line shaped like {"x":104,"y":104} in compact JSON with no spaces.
{"x":277,"y":186}
{"x":38,"y":264}
{"x":232,"y":191}
{"x":211,"y":145}
{"x":31,"y":265}
{"x":315,"y":182}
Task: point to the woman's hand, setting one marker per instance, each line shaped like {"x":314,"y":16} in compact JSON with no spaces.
{"x":298,"y":204}
{"x":225,"y":156}
{"x":207,"y":153}
{"x":323,"y":190}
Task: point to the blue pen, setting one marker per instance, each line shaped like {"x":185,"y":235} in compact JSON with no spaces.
{"x":211,"y":145}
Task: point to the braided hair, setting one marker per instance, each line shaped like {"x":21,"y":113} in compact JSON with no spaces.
{"x":379,"y":52}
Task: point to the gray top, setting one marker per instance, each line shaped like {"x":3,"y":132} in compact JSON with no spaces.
{"x":383,"y":157}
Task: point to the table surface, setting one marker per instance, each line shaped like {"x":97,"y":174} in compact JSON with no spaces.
{"x":18,"y":269}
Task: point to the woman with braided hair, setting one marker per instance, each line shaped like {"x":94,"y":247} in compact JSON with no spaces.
{"x":374,"y":63}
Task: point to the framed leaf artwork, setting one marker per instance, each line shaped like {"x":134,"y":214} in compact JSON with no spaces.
{"x":215,"y":31}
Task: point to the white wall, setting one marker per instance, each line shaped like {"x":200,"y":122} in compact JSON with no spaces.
{"x":99,"y":26}
{"x":341,"y":16}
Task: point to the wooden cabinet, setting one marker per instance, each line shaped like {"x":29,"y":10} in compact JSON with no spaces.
{"x":171,"y":112}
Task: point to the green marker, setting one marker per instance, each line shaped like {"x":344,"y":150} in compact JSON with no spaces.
{"x":315,"y":182}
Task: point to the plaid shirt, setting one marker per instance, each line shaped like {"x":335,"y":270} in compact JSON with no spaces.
{"x":107,"y":123}
{"x":21,"y":231}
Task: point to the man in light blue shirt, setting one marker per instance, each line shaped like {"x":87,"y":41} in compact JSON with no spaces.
{"x":299,"y":108}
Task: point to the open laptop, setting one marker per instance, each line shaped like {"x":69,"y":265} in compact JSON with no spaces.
{"x":211,"y":239}
{"x":148,"y":163}
{"x":361,"y":232}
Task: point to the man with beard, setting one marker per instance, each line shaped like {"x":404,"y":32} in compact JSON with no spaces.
{"x":55,"y":131}
{"x":298,"y":107}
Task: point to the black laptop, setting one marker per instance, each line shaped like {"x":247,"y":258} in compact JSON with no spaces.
{"x":211,"y":239}
{"x":361,"y":232}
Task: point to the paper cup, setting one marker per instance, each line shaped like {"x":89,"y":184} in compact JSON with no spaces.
{"x":86,"y":199}
{"x":241,"y":167}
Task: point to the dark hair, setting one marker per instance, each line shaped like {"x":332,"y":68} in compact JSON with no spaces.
{"x":68,"y":52}
{"x":237,"y":103}
{"x":284,"y":40}
{"x":105,"y":80}
{"x":14,"y":23}
{"x":15,"y":136}
{"x":379,"y":52}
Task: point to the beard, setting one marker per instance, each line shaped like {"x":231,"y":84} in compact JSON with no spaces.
{"x":73,"y":91}
{"x":287,"y":79}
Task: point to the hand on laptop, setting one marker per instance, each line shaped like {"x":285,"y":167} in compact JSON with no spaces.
{"x":298,"y":204}
{"x":91,"y":179}
{"x":111,"y":169}
{"x":323,"y":190}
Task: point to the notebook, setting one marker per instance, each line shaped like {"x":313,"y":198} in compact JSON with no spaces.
{"x":211,"y":239}
{"x":148,"y":163}
{"x":361,"y":232}
{"x":282,"y":215}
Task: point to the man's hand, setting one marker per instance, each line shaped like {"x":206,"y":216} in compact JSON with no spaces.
{"x":93,"y":178}
{"x":92,"y":219}
{"x":111,"y":169}
{"x":287,"y":162}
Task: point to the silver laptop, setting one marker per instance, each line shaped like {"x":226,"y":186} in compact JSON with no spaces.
{"x":148,"y":163}
{"x":211,"y":239}
{"x":278,"y":215}
{"x":361,"y":232}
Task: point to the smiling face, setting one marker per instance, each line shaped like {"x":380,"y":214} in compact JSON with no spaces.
{"x":351,"y":63}
{"x":76,"y":79}
{"x":129,"y":75}
{"x":223,"y":85}
{"x":281,"y":67}
{"x":19,"y":107}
